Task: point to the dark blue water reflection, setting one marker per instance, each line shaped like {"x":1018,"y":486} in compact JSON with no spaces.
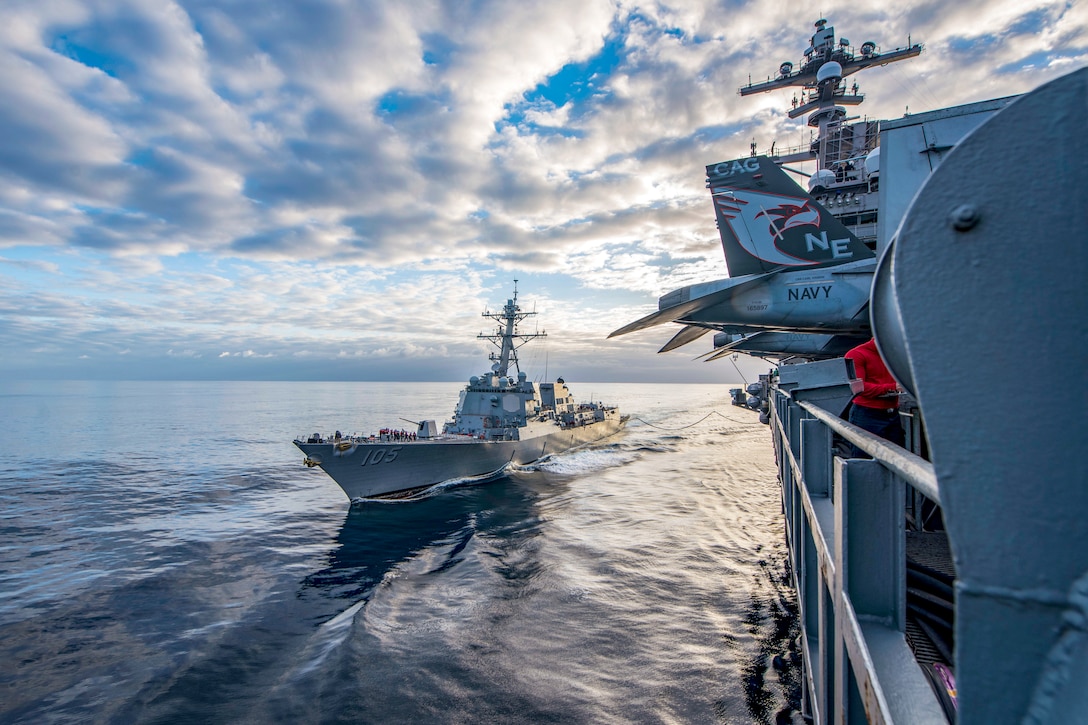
{"x":165,"y":557}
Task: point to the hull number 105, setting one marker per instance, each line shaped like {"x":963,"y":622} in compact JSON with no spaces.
{"x":380,"y":455}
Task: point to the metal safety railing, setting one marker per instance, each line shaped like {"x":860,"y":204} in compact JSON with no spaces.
{"x":845,"y":526}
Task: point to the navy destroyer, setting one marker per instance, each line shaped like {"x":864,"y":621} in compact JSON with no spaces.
{"x":500,"y":419}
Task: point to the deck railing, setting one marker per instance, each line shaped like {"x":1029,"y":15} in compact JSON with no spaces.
{"x":845,"y":526}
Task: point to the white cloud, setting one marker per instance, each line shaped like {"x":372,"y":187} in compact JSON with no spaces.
{"x":306,"y":180}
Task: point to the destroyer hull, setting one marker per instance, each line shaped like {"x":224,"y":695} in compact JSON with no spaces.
{"x":388,"y":468}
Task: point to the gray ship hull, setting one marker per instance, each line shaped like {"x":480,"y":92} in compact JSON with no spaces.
{"x":390,"y":468}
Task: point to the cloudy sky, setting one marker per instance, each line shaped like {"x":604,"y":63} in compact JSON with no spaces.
{"x":336,"y":189}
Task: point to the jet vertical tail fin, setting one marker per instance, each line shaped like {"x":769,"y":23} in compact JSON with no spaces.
{"x":768,"y":222}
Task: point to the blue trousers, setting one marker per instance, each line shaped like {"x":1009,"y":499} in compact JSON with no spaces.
{"x":878,"y":422}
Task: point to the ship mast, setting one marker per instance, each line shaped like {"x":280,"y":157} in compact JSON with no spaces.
{"x":506,"y":337}
{"x":822,"y":77}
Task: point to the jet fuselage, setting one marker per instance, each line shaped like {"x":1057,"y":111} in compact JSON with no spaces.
{"x":828,"y":299}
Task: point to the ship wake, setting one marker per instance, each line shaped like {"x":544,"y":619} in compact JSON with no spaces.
{"x":581,"y":462}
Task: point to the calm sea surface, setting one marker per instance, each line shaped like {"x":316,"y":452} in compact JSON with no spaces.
{"x":166,"y":557}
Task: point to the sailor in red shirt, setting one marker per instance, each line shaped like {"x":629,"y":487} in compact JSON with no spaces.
{"x":876,"y":407}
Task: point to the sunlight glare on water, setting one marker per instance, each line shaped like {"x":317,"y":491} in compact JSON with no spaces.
{"x":165,"y":557}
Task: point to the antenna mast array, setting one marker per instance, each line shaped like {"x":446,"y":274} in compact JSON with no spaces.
{"x":506,"y":337}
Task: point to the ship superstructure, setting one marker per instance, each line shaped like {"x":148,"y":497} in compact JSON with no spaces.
{"x":943,"y":580}
{"x":843,"y":147}
{"x":498,"y":405}
{"x":501,"y":418}
{"x":800,"y":262}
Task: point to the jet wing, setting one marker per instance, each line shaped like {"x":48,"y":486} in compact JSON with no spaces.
{"x":689,"y":333}
{"x":676,"y":312}
{"x":670,"y":314}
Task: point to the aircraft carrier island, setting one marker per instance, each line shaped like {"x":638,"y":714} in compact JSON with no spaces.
{"x":945,"y":580}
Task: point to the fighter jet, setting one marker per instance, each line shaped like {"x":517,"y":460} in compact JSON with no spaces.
{"x":794,"y":266}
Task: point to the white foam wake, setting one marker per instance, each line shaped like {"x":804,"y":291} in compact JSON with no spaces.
{"x":577,"y":463}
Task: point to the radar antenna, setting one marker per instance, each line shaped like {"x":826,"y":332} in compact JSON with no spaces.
{"x":506,"y":336}
{"x":821,"y":77}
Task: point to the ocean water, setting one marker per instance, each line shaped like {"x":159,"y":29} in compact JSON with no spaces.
{"x":165,"y":557}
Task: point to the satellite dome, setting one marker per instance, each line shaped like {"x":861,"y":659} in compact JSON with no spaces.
{"x":820,"y":180}
{"x":872,"y":162}
{"x":829,"y":70}
{"x":834,"y":113}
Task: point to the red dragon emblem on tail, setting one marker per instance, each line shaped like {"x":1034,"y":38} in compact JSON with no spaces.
{"x":787,"y":216}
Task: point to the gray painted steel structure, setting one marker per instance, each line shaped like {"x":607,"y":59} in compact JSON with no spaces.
{"x":981,"y":291}
{"x":1014,"y":491}
{"x":415,"y":465}
{"x":845,"y":528}
{"x":982,"y":259}
{"x":498,"y":421}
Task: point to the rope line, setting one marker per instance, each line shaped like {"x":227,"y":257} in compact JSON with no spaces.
{"x":734,"y":361}
{"x":684,"y":427}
